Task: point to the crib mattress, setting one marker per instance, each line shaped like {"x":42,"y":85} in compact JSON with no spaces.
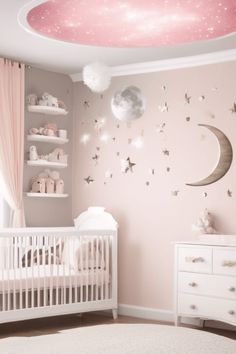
{"x":46,"y":276}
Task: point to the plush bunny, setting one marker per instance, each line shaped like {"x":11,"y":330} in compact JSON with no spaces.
{"x":204,"y":224}
{"x":32,"y":99}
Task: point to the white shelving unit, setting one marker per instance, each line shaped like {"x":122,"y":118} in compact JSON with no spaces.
{"x":47,"y":110}
{"x":46,"y":195}
{"x":43,"y":163}
{"x":47,"y":139}
{"x":55,"y":111}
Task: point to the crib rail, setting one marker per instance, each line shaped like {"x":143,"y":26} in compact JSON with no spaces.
{"x":49,"y":271}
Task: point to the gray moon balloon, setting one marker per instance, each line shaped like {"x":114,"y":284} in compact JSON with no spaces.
{"x":225,"y":159}
{"x":128,"y":104}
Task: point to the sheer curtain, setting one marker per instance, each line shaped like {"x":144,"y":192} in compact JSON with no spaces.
{"x":12,"y":88}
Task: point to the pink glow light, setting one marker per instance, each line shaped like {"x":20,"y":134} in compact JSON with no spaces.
{"x":133,"y":23}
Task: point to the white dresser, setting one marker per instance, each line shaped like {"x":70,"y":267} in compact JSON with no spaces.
{"x":205,"y":281}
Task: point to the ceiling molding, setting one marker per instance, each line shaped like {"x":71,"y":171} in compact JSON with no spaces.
{"x":168,"y":64}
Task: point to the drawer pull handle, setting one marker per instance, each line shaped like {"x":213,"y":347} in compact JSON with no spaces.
{"x":193,"y":307}
{"x":231,"y":312}
{"x":232,"y":288}
{"x":192,"y":284}
{"x":194,"y":259}
{"x":229,"y":263}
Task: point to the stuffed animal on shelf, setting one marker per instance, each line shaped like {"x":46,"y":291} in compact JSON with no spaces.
{"x":38,"y":185}
{"x":57,"y":155}
{"x":32,"y":99}
{"x":33,"y":155}
{"x":50,"y":185}
{"x":48,"y":100}
{"x":50,"y":129}
{"x":59,"y":186}
{"x":62,"y":105}
{"x":204,"y":224}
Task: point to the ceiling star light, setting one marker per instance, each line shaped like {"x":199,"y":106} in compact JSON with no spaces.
{"x":131,"y":23}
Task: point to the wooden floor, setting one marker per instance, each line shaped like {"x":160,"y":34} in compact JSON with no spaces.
{"x":55,"y":324}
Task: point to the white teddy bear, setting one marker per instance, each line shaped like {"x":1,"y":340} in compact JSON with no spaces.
{"x":48,"y":100}
{"x":204,"y":224}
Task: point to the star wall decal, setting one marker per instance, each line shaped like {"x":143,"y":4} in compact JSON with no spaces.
{"x":114,"y":139}
{"x":204,"y":194}
{"x":86,"y":104}
{"x":166,"y":152}
{"x":88,"y":180}
{"x":163,"y":108}
{"x":168,"y":169}
{"x":127,"y":165}
{"x":233,"y":109}
{"x":147,"y":183}
{"x":187,"y":98}
{"x":229,"y":193}
{"x":201,"y":98}
{"x":95,"y":158}
{"x":163,"y":87}
{"x":175,"y":193}
{"x":160,"y":128}
{"x":151,"y":171}
{"x":188,"y":119}
{"x":99,"y":123}
{"x":108,"y":174}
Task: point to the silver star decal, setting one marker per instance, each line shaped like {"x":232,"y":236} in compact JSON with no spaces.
{"x":187,"y":98}
{"x":166,"y":152}
{"x":233,"y":109}
{"x":163,"y":108}
{"x":230,"y":193}
{"x":88,"y":180}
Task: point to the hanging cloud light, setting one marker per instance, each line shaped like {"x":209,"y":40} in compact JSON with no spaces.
{"x":97,"y":77}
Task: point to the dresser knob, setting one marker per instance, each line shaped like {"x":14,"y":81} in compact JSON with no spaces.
{"x":192,"y":284}
{"x":232,"y":288}
{"x":231,"y":312}
{"x":193,"y":307}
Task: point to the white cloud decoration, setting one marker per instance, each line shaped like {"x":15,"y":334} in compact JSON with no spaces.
{"x":97,"y":76}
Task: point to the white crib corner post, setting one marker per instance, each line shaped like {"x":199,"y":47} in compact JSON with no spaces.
{"x":114,"y":276}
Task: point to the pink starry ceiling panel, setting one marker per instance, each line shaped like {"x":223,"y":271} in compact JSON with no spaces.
{"x":133,"y":23}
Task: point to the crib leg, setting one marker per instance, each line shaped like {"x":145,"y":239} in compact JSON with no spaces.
{"x":115,"y":314}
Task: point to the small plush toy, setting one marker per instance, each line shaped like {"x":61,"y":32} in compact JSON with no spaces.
{"x":33,"y":155}
{"x":32,"y":99}
{"x":204,"y":224}
{"x":50,"y":185}
{"x":62,"y":105}
{"x":38,"y":185}
{"x":59,"y":186}
{"x":48,"y":100}
{"x":33,"y":131}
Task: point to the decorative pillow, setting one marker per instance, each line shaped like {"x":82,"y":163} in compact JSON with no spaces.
{"x":79,"y":255}
{"x":44,"y":255}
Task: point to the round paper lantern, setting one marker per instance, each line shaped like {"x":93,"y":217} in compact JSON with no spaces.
{"x":97,"y":77}
{"x":128,"y":104}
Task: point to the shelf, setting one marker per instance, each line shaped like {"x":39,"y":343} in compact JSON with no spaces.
{"x":47,"y":110}
{"x":43,"y":163}
{"x":46,"y":195}
{"x":47,"y":139}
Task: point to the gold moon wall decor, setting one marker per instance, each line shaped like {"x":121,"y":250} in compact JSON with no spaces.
{"x":225,"y":159}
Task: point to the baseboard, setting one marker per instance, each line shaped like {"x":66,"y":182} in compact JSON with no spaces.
{"x":146,"y":313}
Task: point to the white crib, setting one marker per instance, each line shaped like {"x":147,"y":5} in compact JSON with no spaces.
{"x":55,"y":271}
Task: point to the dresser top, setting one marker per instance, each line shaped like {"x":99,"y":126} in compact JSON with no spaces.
{"x":212,"y":240}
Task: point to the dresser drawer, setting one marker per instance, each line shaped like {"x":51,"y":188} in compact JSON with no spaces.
{"x":224,"y":261}
{"x":209,"y":285}
{"x":206,"y":307}
{"x":195,"y":259}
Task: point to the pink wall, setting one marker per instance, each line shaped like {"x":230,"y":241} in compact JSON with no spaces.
{"x":151,"y":218}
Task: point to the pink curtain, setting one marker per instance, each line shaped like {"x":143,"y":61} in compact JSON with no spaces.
{"x":12,"y":91}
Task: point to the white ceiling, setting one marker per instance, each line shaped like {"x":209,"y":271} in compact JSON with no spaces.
{"x":70,"y":58}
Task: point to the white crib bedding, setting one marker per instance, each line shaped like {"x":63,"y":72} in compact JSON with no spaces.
{"x":46,"y":276}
